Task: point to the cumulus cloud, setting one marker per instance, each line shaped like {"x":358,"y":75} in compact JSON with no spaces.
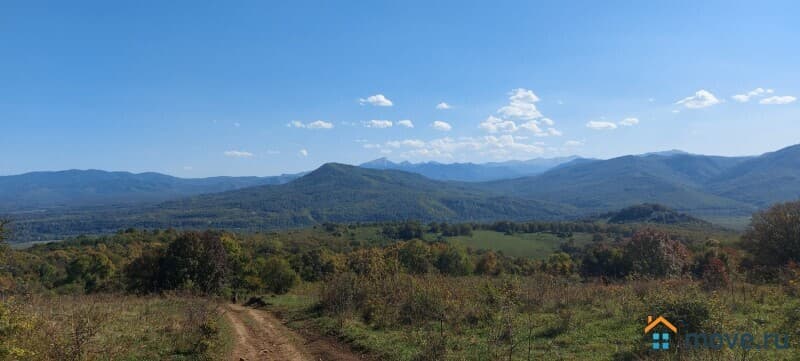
{"x":238,"y":154}
{"x":443,"y":106}
{"x":599,"y":125}
{"x":405,"y":123}
{"x":494,"y":124}
{"x":551,"y":131}
{"x":319,"y":124}
{"x":755,"y":93}
{"x":520,"y":114}
{"x":378,"y":124}
{"x":440,"y":125}
{"x":413,"y":143}
{"x":775,"y":100}
{"x":573,"y":143}
{"x":501,"y":146}
{"x":303,"y":153}
{"x":378,"y":100}
{"x":522,"y":105}
{"x":531,"y":125}
{"x":701,"y":99}
{"x":629,"y":122}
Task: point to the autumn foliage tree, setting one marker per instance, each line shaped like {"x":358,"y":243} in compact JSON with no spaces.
{"x":655,"y":254}
{"x":196,"y":261}
{"x":774,"y":235}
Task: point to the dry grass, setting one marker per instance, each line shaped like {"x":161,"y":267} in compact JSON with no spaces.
{"x":117,"y":327}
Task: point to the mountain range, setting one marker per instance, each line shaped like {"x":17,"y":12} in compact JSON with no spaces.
{"x":79,"y":188}
{"x":698,"y":185}
{"x":472,"y":172}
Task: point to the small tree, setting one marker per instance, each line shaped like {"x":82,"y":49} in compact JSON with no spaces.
{"x":278,"y":275}
{"x":415,"y":257}
{"x":654,"y":253}
{"x":454,"y":261}
{"x":774,"y":235}
{"x":197,"y":261}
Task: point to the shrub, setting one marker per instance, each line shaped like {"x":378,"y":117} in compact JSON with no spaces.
{"x":715,"y":274}
{"x":278,"y":275}
{"x":774,"y":236}
{"x":687,"y":307}
{"x":454,"y":261}
{"x":656,"y":254}
{"x":196,"y":261}
{"x":415,"y":256}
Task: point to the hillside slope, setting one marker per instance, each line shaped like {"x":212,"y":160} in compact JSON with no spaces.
{"x":472,"y":172}
{"x":332,"y":193}
{"x":79,"y":188}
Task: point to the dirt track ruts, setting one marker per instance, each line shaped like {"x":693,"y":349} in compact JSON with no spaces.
{"x":261,"y":336}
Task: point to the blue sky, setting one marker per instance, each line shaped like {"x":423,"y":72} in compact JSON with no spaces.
{"x":195,"y":88}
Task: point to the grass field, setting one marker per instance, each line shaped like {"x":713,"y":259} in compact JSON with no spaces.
{"x":531,"y":245}
{"x":115,"y":327}
{"x":557,"y":321}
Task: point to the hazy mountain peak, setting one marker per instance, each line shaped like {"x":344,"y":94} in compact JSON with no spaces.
{"x":666,"y":153}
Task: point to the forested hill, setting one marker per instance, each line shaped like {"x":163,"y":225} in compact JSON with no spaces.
{"x":699,"y":186}
{"x":474,"y":172}
{"x":332,"y":193}
{"x":80,"y":188}
{"x":696,"y":184}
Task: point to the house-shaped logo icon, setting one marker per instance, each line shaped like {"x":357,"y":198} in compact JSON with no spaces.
{"x":660,"y":339}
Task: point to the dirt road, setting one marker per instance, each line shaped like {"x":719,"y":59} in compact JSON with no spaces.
{"x":261,"y":336}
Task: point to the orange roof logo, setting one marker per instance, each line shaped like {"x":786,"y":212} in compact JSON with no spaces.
{"x":651,"y":324}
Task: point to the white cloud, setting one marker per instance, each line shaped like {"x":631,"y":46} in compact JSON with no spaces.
{"x":238,"y":154}
{"x":786,"y":99}
{"x":378,"y":124}
{"x":531,"y":125}
{"x":701,"y":99}
{"x":303,"y":153}
{"x":443,"y":106}
{"x":187,"y":168}
{"x":494,"y":124}
{"x":405,"y":123}
{"x":629,"y":122}
{"x":273,"y":152}
{"x":319,"y":124}
{"x":522,"y":105}
{"x":755,"y":93}
{"x":553,"y":131}
{"x":378,"y":100}
{"x":440,"y":125}
{"x":598,"y":125}
{"x":573,"y":143}
{"x":501,"y":146}
{"x":413,"y":143}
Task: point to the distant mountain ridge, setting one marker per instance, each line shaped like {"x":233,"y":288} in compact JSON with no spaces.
{"x":78,"y":188}
{"x":692,"y":183}
{"x":473,"y":172}
{"x":695,"y":185}
{"x":331,"y":193}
